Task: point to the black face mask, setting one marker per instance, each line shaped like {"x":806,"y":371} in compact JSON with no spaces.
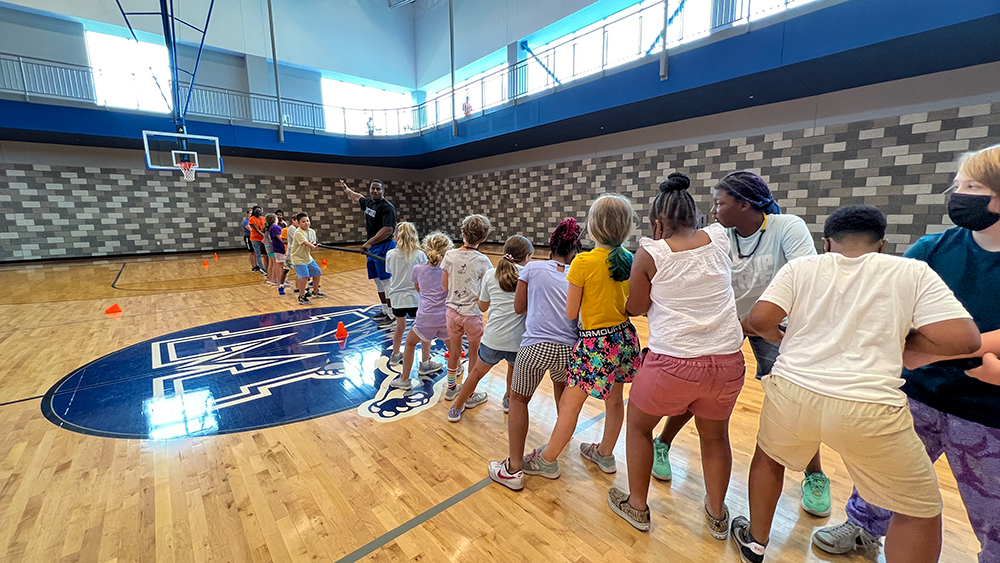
{"x":972,"y":211}
{"x":256,"y":213}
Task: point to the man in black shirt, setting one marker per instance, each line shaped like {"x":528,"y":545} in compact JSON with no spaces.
{"x":380,"y":223}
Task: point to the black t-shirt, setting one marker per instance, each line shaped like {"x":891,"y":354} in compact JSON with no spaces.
{"x":378,"y":214}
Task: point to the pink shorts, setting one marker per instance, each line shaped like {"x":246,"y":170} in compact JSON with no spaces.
{"x":459,"y":324}
{"x":708,"y":386}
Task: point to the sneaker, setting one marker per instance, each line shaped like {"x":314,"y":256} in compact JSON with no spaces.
{"x":452,"y":392}
{"x":304,"y":301}
{"x":281,"y":290}
{"x":455,"y":414}
{"x":750,"y":550}
{"x":535,"y":464}
{"x":718,"y":527}
{"x":400,"y":383}
{"x":844,"y":538}
{"x":396,"y":359}
{"x":430,"y":366}
{"x":379,"y":317}
{"x":476,"y":399}
{"x":661,"y":460}
{"x":255,"y":269}
{"x":506,"y":405}
{"x":606,"y":463}
{"x":389,"y":322}
{"x":498,"y":472}
{"x":308,"y":293}
{"x":296,"y":290}
{"x":816,"y":494}
{"x":318,"y":293}
{"x":618,"y":501}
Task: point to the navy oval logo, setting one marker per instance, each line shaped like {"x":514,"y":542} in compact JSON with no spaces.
{"x":241,"y":374}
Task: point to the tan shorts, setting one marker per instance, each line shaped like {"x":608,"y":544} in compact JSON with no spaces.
{"x":882,"y":452}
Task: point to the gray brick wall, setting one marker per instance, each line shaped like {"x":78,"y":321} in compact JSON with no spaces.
{"x":901,"y":164}
{"x":69,"y":211}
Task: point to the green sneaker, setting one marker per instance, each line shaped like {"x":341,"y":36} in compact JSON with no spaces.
{"x":661,"y":461}
{"x":816,"y":494}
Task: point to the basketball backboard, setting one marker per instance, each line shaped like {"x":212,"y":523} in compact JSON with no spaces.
{"x":170,"y":151}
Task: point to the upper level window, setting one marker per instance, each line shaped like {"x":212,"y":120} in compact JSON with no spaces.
{"x":130,"y":74}
{"x":363,"y":110}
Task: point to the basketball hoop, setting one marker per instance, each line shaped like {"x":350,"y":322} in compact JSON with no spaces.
{"x":187,"y":168}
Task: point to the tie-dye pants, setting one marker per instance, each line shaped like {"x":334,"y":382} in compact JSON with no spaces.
{"x":973,"y":452}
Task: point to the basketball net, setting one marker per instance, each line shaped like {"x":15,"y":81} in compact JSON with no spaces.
{"x":187,"y":168}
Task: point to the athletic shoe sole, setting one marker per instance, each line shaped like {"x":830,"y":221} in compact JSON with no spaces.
{"x":814,"y":512}
{"x":661,"y":478}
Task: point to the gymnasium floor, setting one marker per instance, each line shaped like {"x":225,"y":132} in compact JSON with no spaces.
{"x":337,"y":488}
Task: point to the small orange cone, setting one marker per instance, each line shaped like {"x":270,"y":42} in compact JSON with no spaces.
{"x":216,"y":256}
{"x":205,"y":263}
{"x":113,"y":309}
{"x":447,"y":354}
{"x":341,"y":333}
{"x":323,"y":262}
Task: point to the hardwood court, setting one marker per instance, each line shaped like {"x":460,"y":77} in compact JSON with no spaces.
{"x":337,"y":488}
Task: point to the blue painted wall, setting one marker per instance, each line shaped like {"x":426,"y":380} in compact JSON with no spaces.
{"x":847,"y":45}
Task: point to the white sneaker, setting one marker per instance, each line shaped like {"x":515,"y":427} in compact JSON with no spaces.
{"x":498,"y":472}
{"x":844,"y":538}
{"x":430,"y":366}
{"x":399,"y":383}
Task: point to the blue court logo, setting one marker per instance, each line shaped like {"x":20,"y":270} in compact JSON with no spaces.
{"x":241,"y":374}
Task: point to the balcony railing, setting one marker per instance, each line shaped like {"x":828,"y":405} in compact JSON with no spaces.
{"x":635,"y":34}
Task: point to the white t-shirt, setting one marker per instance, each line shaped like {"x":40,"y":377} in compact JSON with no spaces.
{"x":402,"y":294}
{"x":693,"y":312}
{"x":465,"y":269}
{"x":784,"y":237}
{"x":848,"y":319}
{"x":504,"y":327}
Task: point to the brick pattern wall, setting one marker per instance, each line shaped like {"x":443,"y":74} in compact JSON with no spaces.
{"x":65,"y":212}
{"x":900,"y":164}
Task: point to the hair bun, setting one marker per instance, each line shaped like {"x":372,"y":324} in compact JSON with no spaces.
{"x":568,"y":229}
{"x":675,"y":182}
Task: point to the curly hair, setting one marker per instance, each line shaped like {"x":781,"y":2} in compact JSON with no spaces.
{"x":407,"y":240}
{"x":565,"y":239}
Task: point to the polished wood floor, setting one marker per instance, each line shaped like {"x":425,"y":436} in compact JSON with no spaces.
{"x":337,"y":488}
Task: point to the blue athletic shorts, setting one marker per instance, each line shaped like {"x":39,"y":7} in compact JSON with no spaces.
{"x":376,"y":268}
{"x":308,"y":270}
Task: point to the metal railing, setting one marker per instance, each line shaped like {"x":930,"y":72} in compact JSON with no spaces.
{"x":631,"y":35}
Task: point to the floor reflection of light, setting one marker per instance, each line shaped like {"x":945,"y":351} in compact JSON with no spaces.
{"x":191,"y":413}
{"x":355,"y":364}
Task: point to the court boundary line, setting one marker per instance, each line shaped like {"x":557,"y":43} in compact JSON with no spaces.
{"x":419,"y":519}
{"x":24,"y":400}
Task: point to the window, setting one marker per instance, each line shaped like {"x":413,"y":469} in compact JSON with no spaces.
{"x":363,"y":110}
{"x":130,"y":74}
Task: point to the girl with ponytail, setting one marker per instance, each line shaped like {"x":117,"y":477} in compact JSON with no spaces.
{"x":547,"y":344}
{"x":681,"y":280}
{"x":606,"y":354}
{"x":504,"y":327}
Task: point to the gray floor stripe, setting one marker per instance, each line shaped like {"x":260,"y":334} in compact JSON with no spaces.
{"x":419,"y":519}
{"x":413,"y":523}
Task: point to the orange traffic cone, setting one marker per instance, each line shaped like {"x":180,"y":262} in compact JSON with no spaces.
{"x":447,"y":354}
{"x":113,"y":309}
{"x":341,"y":333}
{"x":216,"y":256}
{"x":205,"y":263}
{"x":323,"y":262}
